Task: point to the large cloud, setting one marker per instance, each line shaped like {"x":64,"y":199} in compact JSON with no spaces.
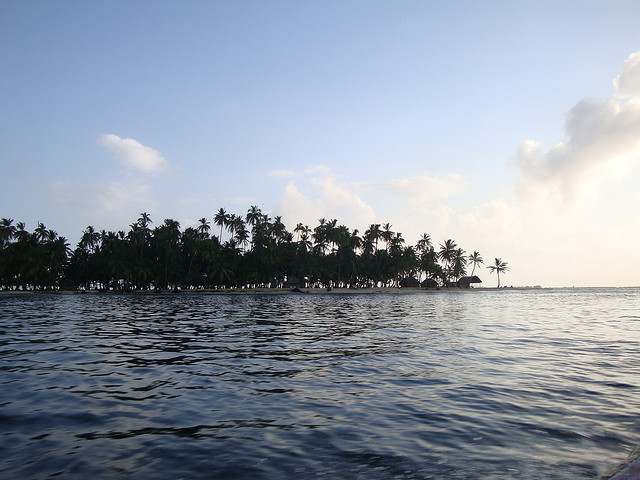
{"x":135,"y":155}
{"x":603,"y":140}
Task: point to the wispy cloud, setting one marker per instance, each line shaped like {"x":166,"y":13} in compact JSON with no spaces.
{"x":420,"y":188}
{"x":117,"y":197}
{"x":603,"y":141}
{"x":111,"y":197}
{"x":134,"y":155}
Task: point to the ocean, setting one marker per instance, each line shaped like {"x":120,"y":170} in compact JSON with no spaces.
{"x":490,"y":384}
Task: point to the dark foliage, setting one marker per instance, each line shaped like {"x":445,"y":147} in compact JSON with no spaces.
{"x":258,"y":251}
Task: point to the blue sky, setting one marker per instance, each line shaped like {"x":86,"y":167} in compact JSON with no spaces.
{"x":497,"y":124}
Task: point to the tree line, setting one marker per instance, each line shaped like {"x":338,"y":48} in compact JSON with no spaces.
{"x":250,"y":251}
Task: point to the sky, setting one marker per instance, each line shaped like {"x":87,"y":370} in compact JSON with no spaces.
{"x":512,"y":128}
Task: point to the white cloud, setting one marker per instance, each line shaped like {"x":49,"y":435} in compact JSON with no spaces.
{"x":118,"y":197}
{"x":320,"y":197}
{"x":422,"y":188}
{"x":603,"y":142}
{"x":296,"y":207}
{"x":343,"y":200}
{"x":133,"y":154}
{"x":318,"y":169}
{"x":627,"y":83}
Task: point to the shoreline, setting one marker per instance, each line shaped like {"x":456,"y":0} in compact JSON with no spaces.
{"x":272,"y":291}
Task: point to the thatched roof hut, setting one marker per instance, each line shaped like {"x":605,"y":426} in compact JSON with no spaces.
{"x":465,"y":282}
{"x":410,"y":282}
{"x":293,"y":282}
{"x":429,"y":283}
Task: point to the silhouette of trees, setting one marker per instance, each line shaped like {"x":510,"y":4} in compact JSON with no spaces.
{"x":260,"y":252}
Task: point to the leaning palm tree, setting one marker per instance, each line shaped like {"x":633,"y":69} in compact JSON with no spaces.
{"x":476,"y":259}
{"x":499,"y":266}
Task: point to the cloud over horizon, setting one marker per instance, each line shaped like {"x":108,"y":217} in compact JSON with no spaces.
{"x":133,"y":154}
{"x":420,"y":188}
{"x":603,"y":142}
{"x":322,"y":196}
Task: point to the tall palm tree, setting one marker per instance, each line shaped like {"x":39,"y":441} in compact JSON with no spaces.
{"x":144,"y":220}
{"x":241,"y":236}
{"x":476,"y":259}
{"x":387,"y":234}
{"x":254,"y":215}
{"x":424,"y":243}
{"x":40,"y":233}
{"x":221,"y":218}
{"x":370,"y":238}
{"x":500,"y":267}
{"x":145,"y":232}
{"x":90,"y":239}
{"x":320,"y":236}
{"x":278,"y":230}
{"x":447,"y":254}
{"x":459,"y":263}
{"x":300,"y":227}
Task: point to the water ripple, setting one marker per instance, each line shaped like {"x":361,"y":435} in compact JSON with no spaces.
{"x":473,"y":385}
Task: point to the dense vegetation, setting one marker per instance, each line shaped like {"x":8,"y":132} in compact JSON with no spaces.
{"x":258,"y":252}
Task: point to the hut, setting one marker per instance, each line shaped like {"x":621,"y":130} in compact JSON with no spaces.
{"x":410,"y":282}
{"x":465,"y":282}
{"x":294,"y":282}
{"x":429,"y":283}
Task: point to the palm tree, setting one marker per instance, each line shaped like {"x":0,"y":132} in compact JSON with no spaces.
{"x":7,"y":231}
{"x":241,"y":235}
{"x":144,"y":220}
{"x":221,"y":218}
{"x":90,"y":239}
{"x":499,"y":266}
{"x":459,"y":263}
{"x":370,"y":238}
{"x":476,"y":259}
{"x":203,"y":228}
{"x":320,"y":236}
{"x":254,"y":215}
{"x":424,"y":243}
{"x":387,"y":234}
{"x":40,"y":233}
{"x":447,"y":253}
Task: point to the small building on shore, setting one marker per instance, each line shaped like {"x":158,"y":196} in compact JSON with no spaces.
{"x":465,"y":282}
{"x":409,"y":282}
{"x":295,"y":282}
{"x":429,"y":283}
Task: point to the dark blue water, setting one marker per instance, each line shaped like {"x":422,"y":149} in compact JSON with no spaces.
{"x":469,"y":385}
